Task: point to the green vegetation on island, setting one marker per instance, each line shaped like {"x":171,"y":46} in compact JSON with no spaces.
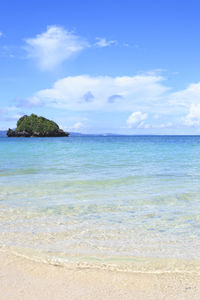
{"x":34,"y":126}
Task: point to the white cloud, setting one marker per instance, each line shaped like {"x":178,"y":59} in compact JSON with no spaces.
{"x":53,"y":47}
{"x":15,"y":117}
{"x":29,"y":102}
{"x":141,"y":94}
{"x":187,"y":100}
{"x":8,"y":117}
{"x":187,"y":96}
{"x":34,"y":101}
{"x":5,"y":113}
{"x":77,"y":125}
{"x":87,"y":93}
{"x":193,"y":117}
{"x":136,"y":120}
{"x":102,"y":42}
{"x":10,"y":108}
{"x":1,"y":34}
{"x":163,"y":125}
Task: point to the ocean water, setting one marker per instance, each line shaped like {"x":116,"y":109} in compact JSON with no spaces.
{"x":121,"y":202}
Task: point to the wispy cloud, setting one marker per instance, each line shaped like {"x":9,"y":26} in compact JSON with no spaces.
{"x":1,"y":34}
{"x":162,"y":125}
{"x":78,"y":125}
{"x":54,"y":46}
{"x":7,"y":114}
{"x":103,"y":42}
{"x":14,"y":117}
{"x":29,"y":102}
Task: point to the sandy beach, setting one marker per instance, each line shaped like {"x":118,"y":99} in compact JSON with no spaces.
{"x":22,"y":279}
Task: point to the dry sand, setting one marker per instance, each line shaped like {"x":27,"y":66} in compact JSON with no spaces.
{"x":23,"y":279}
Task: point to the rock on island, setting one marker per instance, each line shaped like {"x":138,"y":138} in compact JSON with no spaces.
{"x":34,"y":126}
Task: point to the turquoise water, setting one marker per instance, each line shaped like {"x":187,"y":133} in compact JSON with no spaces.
{"x":100,"y":198}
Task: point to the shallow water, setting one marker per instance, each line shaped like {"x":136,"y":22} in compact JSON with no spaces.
{"x":101,"y":198}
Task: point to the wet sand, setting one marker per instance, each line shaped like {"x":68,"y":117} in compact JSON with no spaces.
{"x":23,"y":279}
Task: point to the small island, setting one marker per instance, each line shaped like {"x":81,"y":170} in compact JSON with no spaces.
{"x":34,"y":126}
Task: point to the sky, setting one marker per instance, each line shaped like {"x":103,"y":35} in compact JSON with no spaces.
{"x":103,"y":66}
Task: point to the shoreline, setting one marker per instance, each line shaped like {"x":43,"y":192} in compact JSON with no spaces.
{"x":22,"y":279}
{"x":127,"y":264}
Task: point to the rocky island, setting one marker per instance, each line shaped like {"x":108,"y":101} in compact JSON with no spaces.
{"x":34,"y":126}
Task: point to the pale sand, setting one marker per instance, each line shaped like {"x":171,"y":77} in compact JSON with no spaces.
{"x":22,"y":279}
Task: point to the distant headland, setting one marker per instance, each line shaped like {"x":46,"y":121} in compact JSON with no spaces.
{"x":34,"y":126}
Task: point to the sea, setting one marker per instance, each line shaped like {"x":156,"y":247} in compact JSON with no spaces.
{"x":126,"y":203}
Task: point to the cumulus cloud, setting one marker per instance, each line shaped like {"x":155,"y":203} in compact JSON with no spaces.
{"x":186,"y":96}
{"x":87,"y":93}
{"x":53,"y":47}
{"x":140,"y":94}
{"x":187,"y":100}
{"x":193,"y":117}
{"x":136,"y":120}
{"x":102,"y":42}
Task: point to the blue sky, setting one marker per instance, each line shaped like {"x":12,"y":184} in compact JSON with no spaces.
{"x":126,"y":66}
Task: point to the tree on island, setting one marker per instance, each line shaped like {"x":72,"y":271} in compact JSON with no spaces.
{"x":34,"y":126}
